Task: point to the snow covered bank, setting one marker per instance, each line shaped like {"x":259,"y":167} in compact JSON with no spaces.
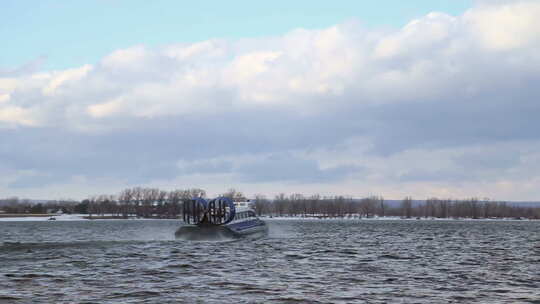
{"x":387,"y":218}
{"x":62,"y":217}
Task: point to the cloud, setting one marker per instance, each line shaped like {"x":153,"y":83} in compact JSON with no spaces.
{"x":57,"y":79}
{"x":446,"y":104}
{"x":507,"y":26}
{"x":14,"y":116}
{"x":105,"y":109}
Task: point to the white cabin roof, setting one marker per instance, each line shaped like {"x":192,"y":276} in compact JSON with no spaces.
{"x":242,"y":206}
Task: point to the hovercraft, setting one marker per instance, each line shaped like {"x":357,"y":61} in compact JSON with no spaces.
{"x":219,"y":218}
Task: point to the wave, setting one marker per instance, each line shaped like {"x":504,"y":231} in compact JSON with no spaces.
{"x":14,"y":246}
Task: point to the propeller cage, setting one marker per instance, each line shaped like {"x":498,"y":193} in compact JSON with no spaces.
{"x":218,"y":211}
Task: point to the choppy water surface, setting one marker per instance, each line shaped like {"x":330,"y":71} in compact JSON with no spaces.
{"x":299,"y":261}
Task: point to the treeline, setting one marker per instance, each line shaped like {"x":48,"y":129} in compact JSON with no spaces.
{"x":155,"y":203}
{"x":297,"y":205}
{"x":14,"y":205}
{"x":131,"y":202}
{"x":141,"y":202}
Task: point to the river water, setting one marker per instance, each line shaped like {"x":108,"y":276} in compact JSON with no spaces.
{"x":313,"y":261}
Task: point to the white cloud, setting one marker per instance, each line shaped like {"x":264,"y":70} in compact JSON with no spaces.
{"x":396,"y":112}
{"x":508,"y":26}
{"x":4,"y":98}
{"x":428,"y":57}
{"x":417,"y":35}
{"x":59,"y":78}
{"x":8,"y":84}
{"x":126,"y":59}
{"x":105,"y":109}
{"x":210,"y":48}
{"x":11,"y":116}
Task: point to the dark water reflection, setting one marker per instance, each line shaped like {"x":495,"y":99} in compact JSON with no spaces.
{"x":300,"y":261}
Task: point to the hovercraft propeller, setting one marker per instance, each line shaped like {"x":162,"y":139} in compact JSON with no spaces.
{"x":195,"y":210}
{"x":218,"y":211}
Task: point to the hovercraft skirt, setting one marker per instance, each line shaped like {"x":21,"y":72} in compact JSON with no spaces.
{"x":205,"y":233}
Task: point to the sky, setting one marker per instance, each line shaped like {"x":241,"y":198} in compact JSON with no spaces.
{"x":393,"y":98}
{"x":63,"y":34}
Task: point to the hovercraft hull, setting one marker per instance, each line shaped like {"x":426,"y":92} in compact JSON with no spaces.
{"x":205,"y":233}
{"x":255,"y":228}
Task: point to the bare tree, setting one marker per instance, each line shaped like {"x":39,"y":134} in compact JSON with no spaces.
{"x":195,"y":192}
{"x":137,"y":200}
{"x":350,"y":207}
{"x":406,"y":207}
{"x":314,"y":205}
{"x":474,"y":208}
{"x":443,"y":208}
{"x":149,"y":197}
{"x":382,"y":206}
{"x":234,"y":194}
{"x":295,"y":204}
{"x":431,"y":207}
{"x":161,"y":203}
{"x":368,"y":206}
{"x":93,"y":207}
{"x":260,"y":204}
{"x":175,"y":198}
{"x":280,"y":203}
{"x":125,"y":198}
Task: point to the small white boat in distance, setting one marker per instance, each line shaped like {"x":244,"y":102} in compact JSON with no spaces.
{"x":218,"y":219}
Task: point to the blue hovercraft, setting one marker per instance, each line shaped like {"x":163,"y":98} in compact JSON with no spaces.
{"x":218,"y":219}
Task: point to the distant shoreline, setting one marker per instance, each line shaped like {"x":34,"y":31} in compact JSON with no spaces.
{"x":86,"y":217}
{"x":15,"y":215}
{"x":393,"y":218}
